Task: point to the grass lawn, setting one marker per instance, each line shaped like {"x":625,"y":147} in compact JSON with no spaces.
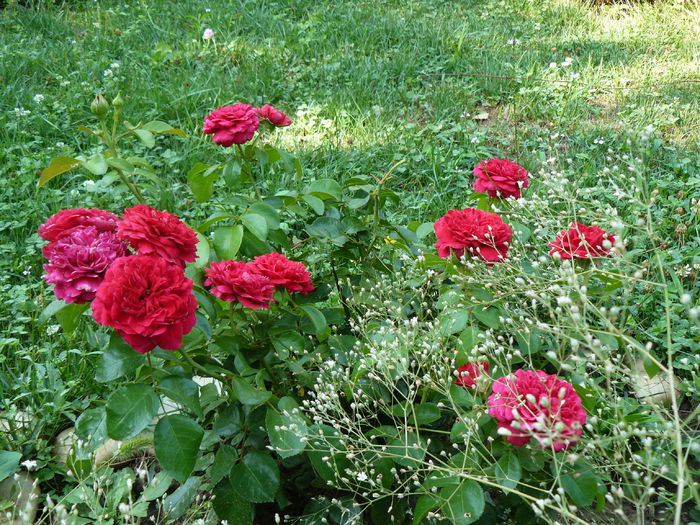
{"x":564,"y":87}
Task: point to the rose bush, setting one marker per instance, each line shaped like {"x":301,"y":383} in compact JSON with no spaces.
{"x":354,"y":372}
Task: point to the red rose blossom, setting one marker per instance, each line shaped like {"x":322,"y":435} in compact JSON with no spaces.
{"x":78,"y":263}
{"x":477,"y":232}
{"x":500,"y":178}
{"x":239,"y":281}
{"x":582,"y":242}
{"x":284,"y":273}
{"x":469,"y":373}
{"x":232,"y":124}
{"x":150,"y":231}
{"x":531,"y":404}
{"x":148,"y":301}
{"x":274,"y":116}
{"x":66,"y":222}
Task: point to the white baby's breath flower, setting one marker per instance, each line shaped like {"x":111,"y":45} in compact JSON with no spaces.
{"x":29,"y":464}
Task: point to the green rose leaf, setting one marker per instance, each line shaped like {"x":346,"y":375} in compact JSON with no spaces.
{"x":464,"y":503}
{"x":9,"y":463}
{"x":580,"y":482}
{"x":146,"y":137}
{"x":129,"y":410}
{"x":229,"y":506}
{"x":318,"y":320}
{"x":117,"y":360}
{"x":201,"y":179}
{"x":177,"y":439}
{"x":325,"y":189}
{"x":91,"y":427}
{"x":247,"y":394}
{"x":508,"y":471}
{"x":183,"y":391}
{"x":179,"y":501}
{"x":57,"y":166}
{"x":286,"y":428}
{"x":256,"y":478}
{"x":227,"y":241}
{"x":256,"y":224}
{"x":157,"y":126}
{"x":97,"y":165}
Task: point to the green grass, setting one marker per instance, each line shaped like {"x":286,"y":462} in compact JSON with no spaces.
{"x":366,"y":83}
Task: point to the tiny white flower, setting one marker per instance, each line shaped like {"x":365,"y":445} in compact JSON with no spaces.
{"x":29,"y":464}
{"x":39,"y":98}
{"x":552,"y":65}
{"x":208,"y":34}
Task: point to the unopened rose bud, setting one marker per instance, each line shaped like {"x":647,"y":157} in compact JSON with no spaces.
{"x":99,"y":106}
{"x":118,"y":102}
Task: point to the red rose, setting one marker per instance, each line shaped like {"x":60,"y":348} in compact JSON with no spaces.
{"x":501,"y":178}
{"x":467,"y":374}
{"x":78,"y":263}
{"x":582,"y":242}
{"x":232,"y":124}
{"x":150,"y":231}
{"x":531,"y":404}
{"x":284,"y":273}
{"x":239,"y":281}
{"x":148,"y":301}
{"x":66,"y":222}
{"x":477,"y":232}
{"x":274,"y":115}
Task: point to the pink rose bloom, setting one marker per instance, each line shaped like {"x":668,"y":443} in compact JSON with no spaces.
{"x":78,"y":263}
{"x":239,"y":281}
{"x":66,"y":222}
{"x":531,"y":404}
{"x":473,"y":231}
{"x":148,"y":301}
{"x":274,"y":116}
{"x":582,"y":242}
{"x":150,"y":231}
{"x":232,"y":124}
{"x":500,"y":178}
{"x":467,"y":374}
{"x":284,"y":273}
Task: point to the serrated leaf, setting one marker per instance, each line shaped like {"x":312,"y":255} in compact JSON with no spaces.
{"x":229,"y":506}
{"x":157,"y":126}
{"x":177,"y":503}
{"x":58,"y":166}
{"x":318,"y":320}
{"x":285,"y":428}
{"x":256,"y":224}
{"x":91,"y":428}
{"x":247,"y":394}
{"x":121,"y":164}
{"x":325,"y":189}
{"x":464,"y":503}
{"x":176,"y":440}
{"x":508,"y":471}
{"x":256,"y":478}
{"x":97,"y":165}
{"x":316,"y":204}
{"x":117,"y":360}
{"x":227,"y":241}
{"x":181,"y":390}
{"x":129,"y":410}
{"x":146,"y":137}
